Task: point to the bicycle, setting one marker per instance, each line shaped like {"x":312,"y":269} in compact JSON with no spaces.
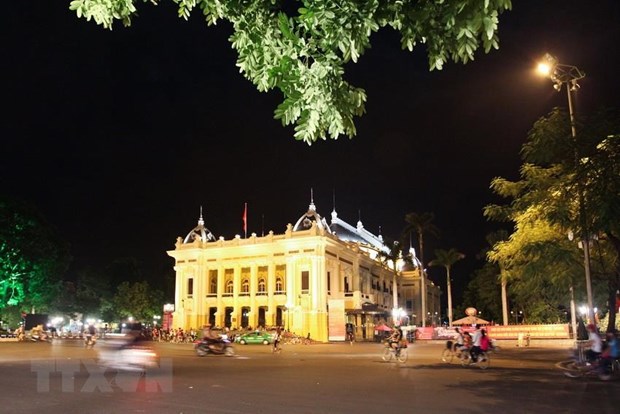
{"x":483,"y":360}
{"x":604,"y":369}
{"x":450,"y":352}
{"x":389,"y":353}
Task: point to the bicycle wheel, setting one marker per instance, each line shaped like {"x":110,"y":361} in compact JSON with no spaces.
{"x":465,"y":358}
{"x":572,"y":370}
{"x":483,"y":360}
{"x":402,"y":356}
{"x":387,"y":354}
{"x":447,"y":355}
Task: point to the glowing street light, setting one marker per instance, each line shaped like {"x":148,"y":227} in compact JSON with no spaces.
{"x":568,"y":75}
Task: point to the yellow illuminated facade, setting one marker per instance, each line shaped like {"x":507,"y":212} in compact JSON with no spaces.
{"x":311,"y":280}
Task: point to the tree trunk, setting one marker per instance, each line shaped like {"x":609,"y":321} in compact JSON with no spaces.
{"x":422,"y":280}
{"x":613,"y":290}
{"x":449,"y":287}
{"x":504,"y":300}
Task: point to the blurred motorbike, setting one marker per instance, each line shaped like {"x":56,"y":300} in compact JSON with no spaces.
{"x":122,"y":354}
{"x":214,"y":346}
{"x":90,"y":341}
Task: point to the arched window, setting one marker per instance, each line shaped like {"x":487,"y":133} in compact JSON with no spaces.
{"x":279,"y":284}
{"x":213,"y":287}
{"x":229,"y":286}
{"x":245,"y":286}
{"x":262,"y":286}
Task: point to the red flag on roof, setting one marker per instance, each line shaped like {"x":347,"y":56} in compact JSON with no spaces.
{"x":245,"y":220}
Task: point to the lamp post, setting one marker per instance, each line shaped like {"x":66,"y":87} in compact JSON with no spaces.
{"x":288,"y":318}
{"x":568,"y":75}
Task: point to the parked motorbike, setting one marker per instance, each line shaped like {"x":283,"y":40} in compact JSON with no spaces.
{"x":216,"y":347}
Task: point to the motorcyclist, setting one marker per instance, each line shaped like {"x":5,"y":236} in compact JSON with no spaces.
{"x":37,"y":333}
{"x":212,"y":338}
{"x":19,"y":333}
{"x":91,"y":331}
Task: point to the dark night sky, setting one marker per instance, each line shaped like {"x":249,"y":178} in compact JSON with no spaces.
{"x":118,"y":137}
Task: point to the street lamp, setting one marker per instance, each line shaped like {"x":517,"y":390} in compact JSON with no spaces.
{"x":569,"y":75}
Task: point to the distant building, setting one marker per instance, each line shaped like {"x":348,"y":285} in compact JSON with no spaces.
{"x":312,"y":280}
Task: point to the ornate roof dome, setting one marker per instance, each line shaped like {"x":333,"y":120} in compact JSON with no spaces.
{"x":311,"y":216}
{"x":200,"y":232}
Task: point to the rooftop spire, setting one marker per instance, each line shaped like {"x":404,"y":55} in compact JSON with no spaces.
{"x":201,"y":222}
{"x":312,"y":207}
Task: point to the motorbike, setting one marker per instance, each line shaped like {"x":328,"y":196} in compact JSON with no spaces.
{"x":131,"y":358}
{"x":40,"y":337}
{"x":89,"y":341}
{"x":221,"y":346}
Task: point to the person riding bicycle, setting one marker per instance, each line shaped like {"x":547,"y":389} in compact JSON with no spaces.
{"x":459,"y":343}
{"x":475,"y":348}
{"x":394,"y":339}
{"x":596,"y":344}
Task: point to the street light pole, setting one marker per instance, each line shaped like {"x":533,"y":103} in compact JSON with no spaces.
{"x":569,"y":75}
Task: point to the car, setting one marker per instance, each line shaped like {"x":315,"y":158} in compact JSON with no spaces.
{"x":264,"y":338}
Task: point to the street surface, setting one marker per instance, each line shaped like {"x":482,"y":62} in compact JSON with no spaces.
{"x":64,"y":378}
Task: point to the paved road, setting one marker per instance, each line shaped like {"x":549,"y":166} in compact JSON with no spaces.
{"x":328,"y":378}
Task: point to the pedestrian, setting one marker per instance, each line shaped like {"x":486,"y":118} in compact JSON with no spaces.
{"x":277,"y":337}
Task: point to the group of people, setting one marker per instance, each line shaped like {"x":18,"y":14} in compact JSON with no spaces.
{"x":475,"y":343}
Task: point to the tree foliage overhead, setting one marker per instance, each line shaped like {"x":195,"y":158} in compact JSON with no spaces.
{"x":303,"y":52}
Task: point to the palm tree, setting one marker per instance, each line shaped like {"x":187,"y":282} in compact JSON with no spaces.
{"x":421,"y":224}
{"x":492,"y":239}
{"x":447,"y":259}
